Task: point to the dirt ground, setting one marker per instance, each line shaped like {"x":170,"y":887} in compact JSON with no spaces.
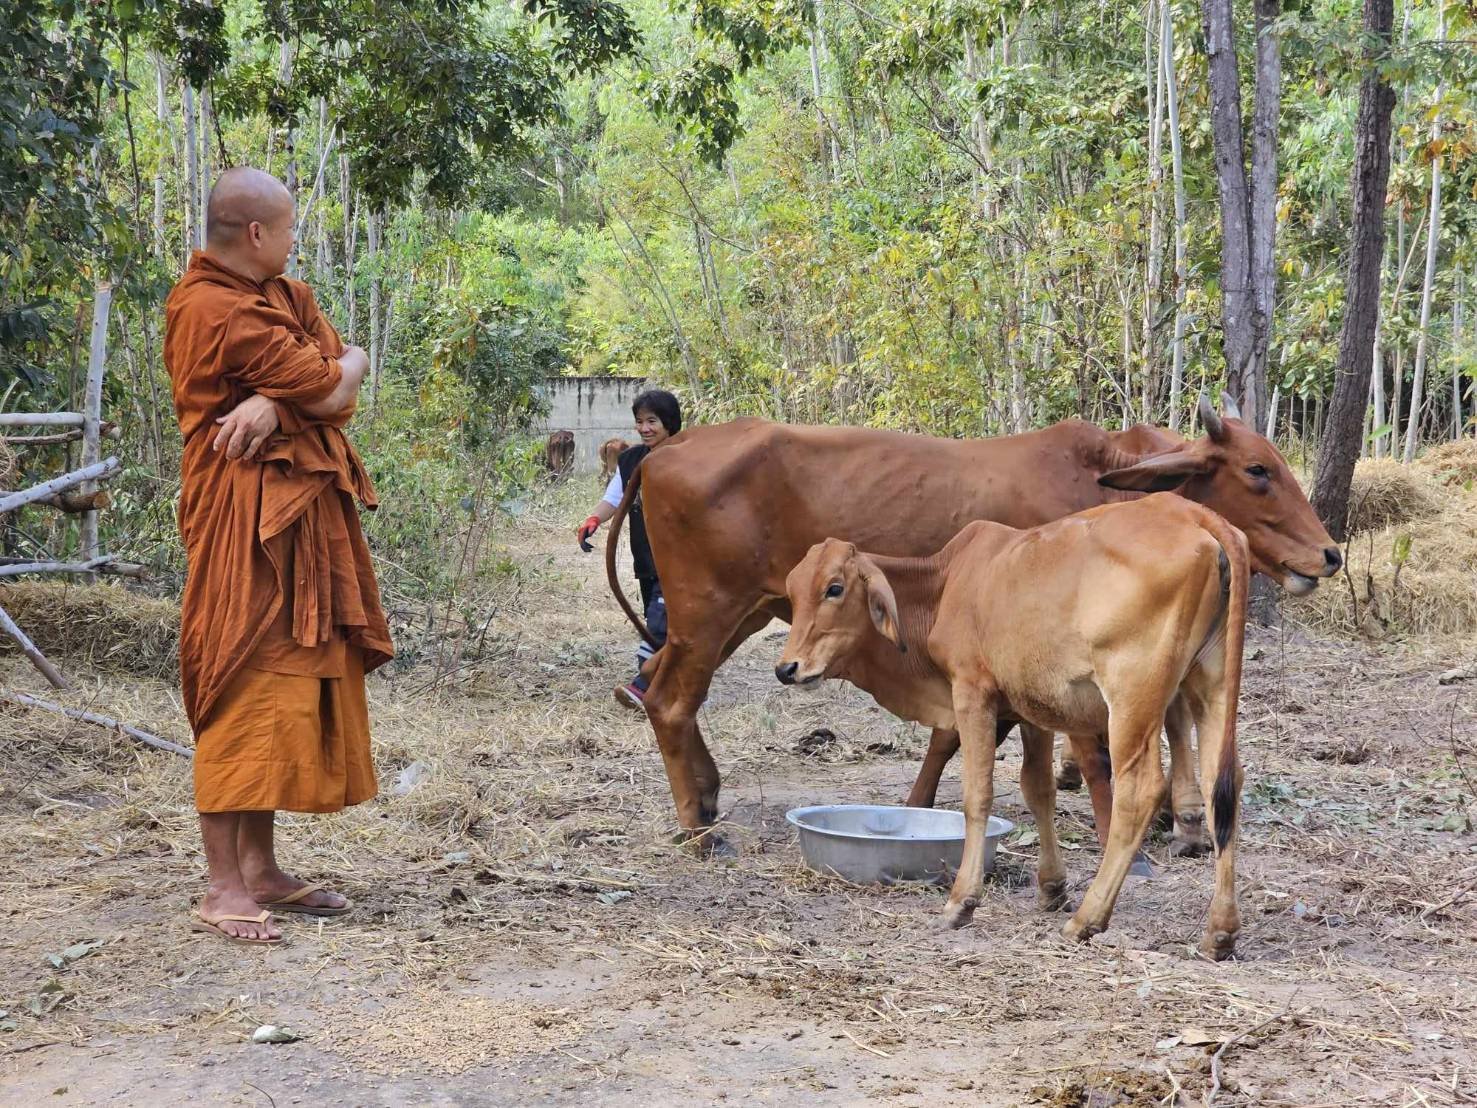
{"x":526,"y":933}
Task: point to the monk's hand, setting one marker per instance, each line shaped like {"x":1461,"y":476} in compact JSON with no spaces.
{"x":247,"y":427}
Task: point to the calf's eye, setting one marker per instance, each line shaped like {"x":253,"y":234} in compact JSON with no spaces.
{"x":833,"y":592}
{"x":1258,"y":471}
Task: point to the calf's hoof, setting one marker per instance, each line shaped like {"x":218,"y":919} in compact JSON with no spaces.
{"x":1078,"y":931}
{"x":957,"y":915}
{"x":1218,"y":945}
{"x":1052,"y":896}
{"x":1069,"y":777}
{"x":1189,"y":839}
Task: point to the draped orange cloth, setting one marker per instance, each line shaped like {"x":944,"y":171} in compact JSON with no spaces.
{"x":280,"y":578}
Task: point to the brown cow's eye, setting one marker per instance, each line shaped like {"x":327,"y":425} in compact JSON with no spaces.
{"x":1259,"y":472}
{"x":833,"y":592}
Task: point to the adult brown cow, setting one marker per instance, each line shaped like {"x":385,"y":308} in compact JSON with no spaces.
{"x":610,"y":453}
{"x":559,"y":453}
{"x":732,"y":509}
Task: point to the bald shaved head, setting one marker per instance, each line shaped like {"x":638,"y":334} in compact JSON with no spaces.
{"x":249,"y":222}
{"x":243,"y":196}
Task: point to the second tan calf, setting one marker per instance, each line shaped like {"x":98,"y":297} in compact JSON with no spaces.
{"x":1091,"y":626}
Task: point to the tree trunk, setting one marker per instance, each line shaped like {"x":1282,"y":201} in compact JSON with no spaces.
{"x":351,"y":244}
{"x":829,"y":142}
{"x":1181,"y":266}
{"x":1362,"y":292}
{"x":1433,"y":240}
{"x":289,"y":150}
{"x":161,"y":108}
{"x":194,"y":233}
{"x":1237,"y":304}
{"x":1263,"y":201}
{"x":207,"y":162}
{"x":1457,"y":335}
{"x":320,"y":236}
{"x":92,"y":405}
{"x":1154,"y":78}
{"x":375,"y":353}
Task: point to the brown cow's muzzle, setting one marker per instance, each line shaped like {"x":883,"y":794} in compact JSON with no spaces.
{"x":789,"y":674}
{"x":1300,"y":584}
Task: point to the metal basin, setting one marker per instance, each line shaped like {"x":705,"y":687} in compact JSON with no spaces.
{"x":869,"y":843}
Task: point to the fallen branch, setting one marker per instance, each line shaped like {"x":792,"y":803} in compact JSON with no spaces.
{"x":109,"y":430}
{"x":9,"y":567}
{"x":40,"y":419}
{"x":88,"y":566}
{"x":101,"y":721}
{"x":75,"y":502}
{"x":11,"y":501}
{"x":32,"y":651}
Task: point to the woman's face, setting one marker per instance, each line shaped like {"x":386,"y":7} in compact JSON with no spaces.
{"x":650,"y":428}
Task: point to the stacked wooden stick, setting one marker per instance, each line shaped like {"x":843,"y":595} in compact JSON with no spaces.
{"x":75,"y":492}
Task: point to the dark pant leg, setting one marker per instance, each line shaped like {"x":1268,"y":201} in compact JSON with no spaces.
{"x":656,"y":623}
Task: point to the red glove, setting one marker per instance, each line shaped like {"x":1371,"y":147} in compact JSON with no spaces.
{"x":588,"y":528}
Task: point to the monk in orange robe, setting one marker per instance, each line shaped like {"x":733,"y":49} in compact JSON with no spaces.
{"x":281,"y":616}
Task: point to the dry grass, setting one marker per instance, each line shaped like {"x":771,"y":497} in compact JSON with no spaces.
{"x":1412,"y":570}
{"x":1385,"y":493}
{"x":1451,"y":463}
{"x":106,"y":626}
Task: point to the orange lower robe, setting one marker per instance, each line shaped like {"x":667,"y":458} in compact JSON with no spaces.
{"x":281,"y":617}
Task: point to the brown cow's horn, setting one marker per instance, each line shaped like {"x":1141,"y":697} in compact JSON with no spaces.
{"x":1229,"y":408}
{"x":1212,"y":420}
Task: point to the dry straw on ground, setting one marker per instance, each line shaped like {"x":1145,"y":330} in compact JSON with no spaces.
{"x":105,"y":626}
{"x":1412,"y":559}
{"x":1385,"y":493}
{"x":1451,"y":463}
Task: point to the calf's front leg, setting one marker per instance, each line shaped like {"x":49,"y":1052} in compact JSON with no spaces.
{"x":974,"y":710}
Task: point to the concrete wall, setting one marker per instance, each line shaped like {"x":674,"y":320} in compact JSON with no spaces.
{"x":595,"y":409}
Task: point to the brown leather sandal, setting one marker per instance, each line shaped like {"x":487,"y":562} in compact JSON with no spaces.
{"x":293,"y":903}
{"x":212,"y":927}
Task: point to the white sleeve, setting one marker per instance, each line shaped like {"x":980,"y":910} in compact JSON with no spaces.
{"x":614,"y":491}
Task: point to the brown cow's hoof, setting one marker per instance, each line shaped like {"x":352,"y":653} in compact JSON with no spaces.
{"x":958,"y":915}
{"x":1218,"y":945}
{"x":1189,"y":839}
{"x":1069,"y":778}
{"x":708,"y":845}
{"x":1052,"y":897}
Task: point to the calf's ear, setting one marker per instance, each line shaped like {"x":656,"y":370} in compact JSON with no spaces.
{"x":1160,"y":473}
{"x":881,"y":604}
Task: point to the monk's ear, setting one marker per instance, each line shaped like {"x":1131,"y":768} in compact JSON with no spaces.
{"x":1160,"y":473}
{"x":881,"y":604}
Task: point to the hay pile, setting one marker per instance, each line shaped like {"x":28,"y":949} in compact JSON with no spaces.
{"x":1385,"y":493}
{"x":1412,"y":560}
{"x":104,"y":626}
{"x":1453,"y":464}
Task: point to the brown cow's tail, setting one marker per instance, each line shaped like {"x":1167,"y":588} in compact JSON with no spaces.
{"x":611,"y":545}
{"x":1224,"y":796}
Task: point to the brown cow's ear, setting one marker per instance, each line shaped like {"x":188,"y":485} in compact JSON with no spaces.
{"x":1157,"y":474}
{"x":881,"y":603}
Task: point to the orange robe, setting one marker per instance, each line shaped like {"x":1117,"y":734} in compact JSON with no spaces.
{"x":281,"y":614}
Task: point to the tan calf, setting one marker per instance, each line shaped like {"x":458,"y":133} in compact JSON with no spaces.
{"x":1091,"y":625}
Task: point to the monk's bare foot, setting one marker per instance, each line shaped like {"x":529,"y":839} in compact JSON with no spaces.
{"x":274,"y":885}
{"x":236,"y":902}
